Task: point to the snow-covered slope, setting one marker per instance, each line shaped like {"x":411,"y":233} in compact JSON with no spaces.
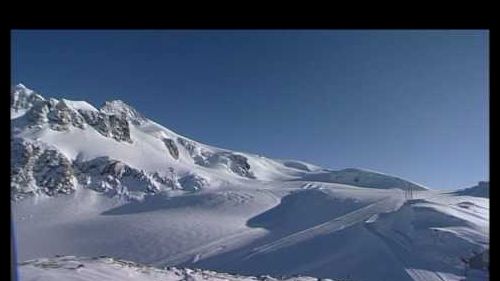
{"x":131,"y":148}
{"x":109,"y":181}
{"x":363,"y":178}
{"x":482,"y":189}
{"x":70,"y":268}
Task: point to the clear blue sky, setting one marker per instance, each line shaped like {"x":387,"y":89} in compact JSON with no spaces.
{"x":409,"y":103}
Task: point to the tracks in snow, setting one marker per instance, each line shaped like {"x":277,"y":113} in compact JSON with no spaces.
{"x":206,"y":250}
{"x":219,"y":245}
{"x":387,"y":204}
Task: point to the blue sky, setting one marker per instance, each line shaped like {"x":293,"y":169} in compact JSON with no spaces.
{"x":409,"y":103}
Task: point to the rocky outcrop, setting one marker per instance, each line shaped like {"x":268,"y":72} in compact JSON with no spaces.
{"x":53,"y":172}
{"x":200,"y":156}
{"x":114,"y":177}
{"x":207,"y":158}
{"x":38,"y":169}
{"x":239,"y":165}
{"x":37,"y":114}
{"x":236,"y":163}
{"x":23,"y":98}
{"x":190,"y":146}
{"x":112,"y":121}
{"x":123,"y":111}
{"x":23,"y":159}
{"x":192,"y":182}
{"x":169,"y":180}
{"x":61,"y":117}
{"x":97,"y":120}
{"x":172,"y":147}
{"x":119,"y":128}
{"x":108,"y":125}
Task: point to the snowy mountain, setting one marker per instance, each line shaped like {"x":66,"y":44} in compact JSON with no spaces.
{"x":89,"y":181}
{"x":59,"y":145}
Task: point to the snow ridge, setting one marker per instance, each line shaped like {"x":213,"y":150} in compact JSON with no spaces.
{"x":482,"y":189}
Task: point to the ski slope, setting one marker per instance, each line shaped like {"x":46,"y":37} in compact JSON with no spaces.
{"x":107,"y":181}
{"x":389,"y":238}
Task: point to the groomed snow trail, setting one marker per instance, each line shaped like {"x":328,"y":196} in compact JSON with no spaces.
{"x":224,"y":243}
{"x":387,"y":204}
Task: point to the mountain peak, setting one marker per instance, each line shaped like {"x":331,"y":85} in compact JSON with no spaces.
{"x":116,"y":103}
{"x":23,"y":98}
{"x":20,"y":86}
{"x":114,"y":119}
{"x":119,"y":107}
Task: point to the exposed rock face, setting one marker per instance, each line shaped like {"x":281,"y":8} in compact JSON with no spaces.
{"x":112,"y":121}
{"x":61,"y":117}
{"x":108,"y":125}
{"x":54,"y":173}
{"x":188,"y":145}
{"x":23,"y":159}
{"x":119,"y":128}
{"x":172,"y":147}
{"x":114,"y":177}
{"x":23,"y":98}
{"x":97,"y":120}
{"x":38,"y":169}
{"x":170,"y":180}
{"x":239,"y":165}
{"x":192,"y":182}
{"x":37,"y":113}
{"x":124,"y":111}
{"x":206,"y":158}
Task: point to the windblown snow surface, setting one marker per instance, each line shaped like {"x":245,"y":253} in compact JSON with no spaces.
{"x":70,"y":268}
{"x":219,"y":210}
